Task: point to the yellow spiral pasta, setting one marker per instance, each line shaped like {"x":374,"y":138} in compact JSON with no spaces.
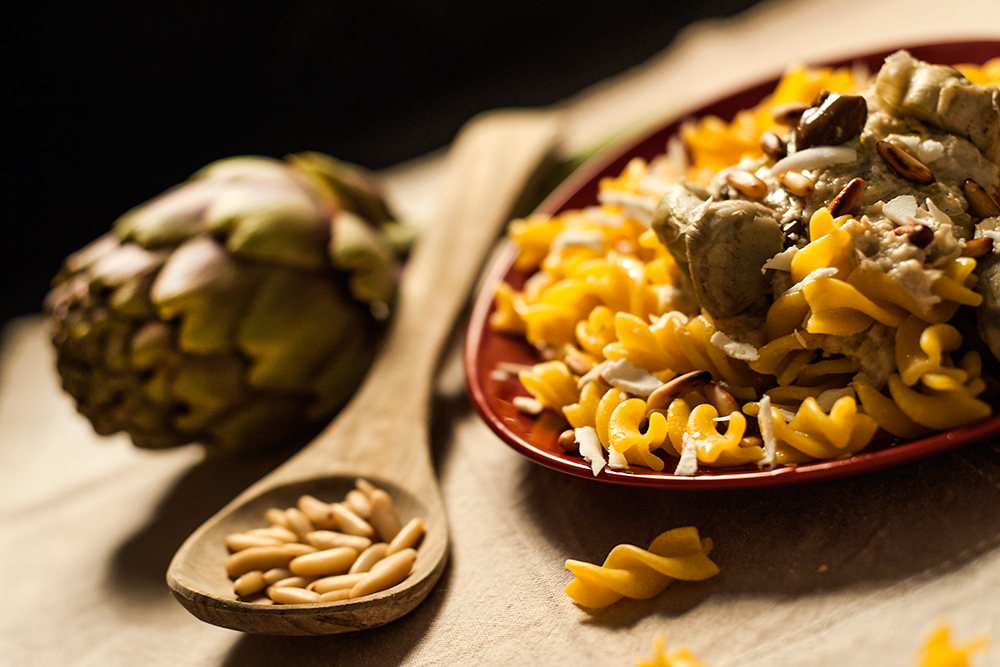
{"x":604,"y":290}
{"x":681,"y":657}
{"x":631,"y":572}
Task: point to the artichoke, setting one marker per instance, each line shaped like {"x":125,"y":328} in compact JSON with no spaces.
{"x":239,"y":309}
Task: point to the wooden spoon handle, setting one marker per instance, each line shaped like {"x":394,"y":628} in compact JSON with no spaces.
{"x":489,"y":167}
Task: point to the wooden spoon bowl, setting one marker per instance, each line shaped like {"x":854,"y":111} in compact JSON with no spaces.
{"x":382,"y":434}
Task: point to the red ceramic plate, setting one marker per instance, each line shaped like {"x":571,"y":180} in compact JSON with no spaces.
{"x":535,"y":438}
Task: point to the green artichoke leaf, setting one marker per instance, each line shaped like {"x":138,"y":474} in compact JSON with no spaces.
{"x":274,"y":222}
{"x":169,"y":219}
{"x":296,"y":322}
{"x":359,"y":249}
{"x":209,"y":290}
{"x":207,"y":386}
{"x":353,"y":187}
{"x":258,"y":423}
{"x":244,"y":168}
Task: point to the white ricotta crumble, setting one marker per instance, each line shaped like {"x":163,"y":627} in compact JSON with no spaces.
{"x":591,"y":239}
{"x":528,"y":405}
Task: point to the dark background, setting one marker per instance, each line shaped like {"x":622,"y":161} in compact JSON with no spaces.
{"x":106,"y":107}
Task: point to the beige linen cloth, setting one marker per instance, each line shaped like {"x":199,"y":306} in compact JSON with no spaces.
{"x":850,"y":572}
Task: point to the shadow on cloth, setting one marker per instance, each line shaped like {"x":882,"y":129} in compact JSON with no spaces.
{"x":871,"y":531}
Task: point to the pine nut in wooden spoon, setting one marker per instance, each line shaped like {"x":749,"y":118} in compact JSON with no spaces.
{"x":382,"y":435}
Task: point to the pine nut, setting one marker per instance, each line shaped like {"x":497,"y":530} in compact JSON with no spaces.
{"x":365,"y":487}
{"x":773,"y":146}
{"x":358,"y":503}
{"x":298,"y":522}
{"x":241,"y":541}
{"x":847,"y":198}
{"x":250,"y":583}
{"x":276,"y":574}
{"x":407,"y":537}
{"x":318,"y":512}
{"x":384,"y":517}
{"x":723,"y":401}
{"x":797,"y":183}
{"x":336,"y":596}
{"x":580,"y":364}
{"x":386,"y":573}
{"x":834,"y":121}
{"x":264,"y":558}
{"x":662,"y":396}
{"x":289,"y":595}
{"x":276,"y":517}
{"x":321,"y":563}
{"x":904,"y":164}
{"x":337,"y":582}
{"x":293,"y":582}
{"x":278,"y":532}
{"x":351,"y":523}
{"x":981,"y":203}
{"x":328,"y":539}
{"x":789,"y":114}
{"x":368,"y":558}
{"x":978,"y":247}
{"x":746,"y":183}
{"x":567,"y":441}
{"x":917,"y":234}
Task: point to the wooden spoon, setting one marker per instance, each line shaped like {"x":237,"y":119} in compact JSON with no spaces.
{"x":382,"y":434}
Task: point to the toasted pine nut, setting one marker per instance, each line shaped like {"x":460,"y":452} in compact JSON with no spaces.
{"x":917,"y":234}
{"x":328,"y":539}
{"x":337,"y":582}
{"x":250,"y":583}
{"x":981,"y":203}
{"x":797,"y":183}
{"x":276,"y":531}
{"x":318,"y":512}
{"x":329,"y":561}
{"x":978,"y":247}
{"x":388,"y":572}
{"x":293,"y":582}
{"x":291,"y":595}
{"x":241,"y":541}
{"x":368,"y":558}
{"x":789,"y":114}
{"x":578,"y":363}
{"x":751,"y":441}
{"x":384,"y":517}
{"x":364,"y":486}
{"x":746,"y":183}
{"x":567,"y":441}
{"x":407,"y":536}
{"x":723,"y":401}
{"x":847,"y":198}
{"x":298,"y":522}
{"x":904,"y":164}
{"x":773,"y":146}
{"x":276,"y":574}
{"x":358,"y":503}
{"x":336,"y":596}
{"x":264,"y":558}
{"x":677,"y":387}
{"x":276,"y":517}
{"x":351,"y":523}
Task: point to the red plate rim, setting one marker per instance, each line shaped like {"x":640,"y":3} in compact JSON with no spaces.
{"x":530,"y":437}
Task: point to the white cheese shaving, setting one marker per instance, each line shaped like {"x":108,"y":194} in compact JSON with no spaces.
{"x":825,"y":272}
{"x":831,"y":396}
{"x":621,"y":374}
{"x":528,"y":405}
{"x":766,"y":420}
{"x":814,"y":158}
{"x":900,"y":209}
{"x":498,"y":375}
{"x":617,"y":460}
{"x":798,"y":337}
{"x":939,"y":216}
{"x":592,"y":239}
{"x":782,"y":261}
{"x":743,"y":351}
{"x":591,"y":375}
{"x":993,"y":235}
{"x":688,"y":464}
{"x":590,"y":447}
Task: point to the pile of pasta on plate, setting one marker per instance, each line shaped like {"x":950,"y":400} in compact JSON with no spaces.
{"x":815,"y":275}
